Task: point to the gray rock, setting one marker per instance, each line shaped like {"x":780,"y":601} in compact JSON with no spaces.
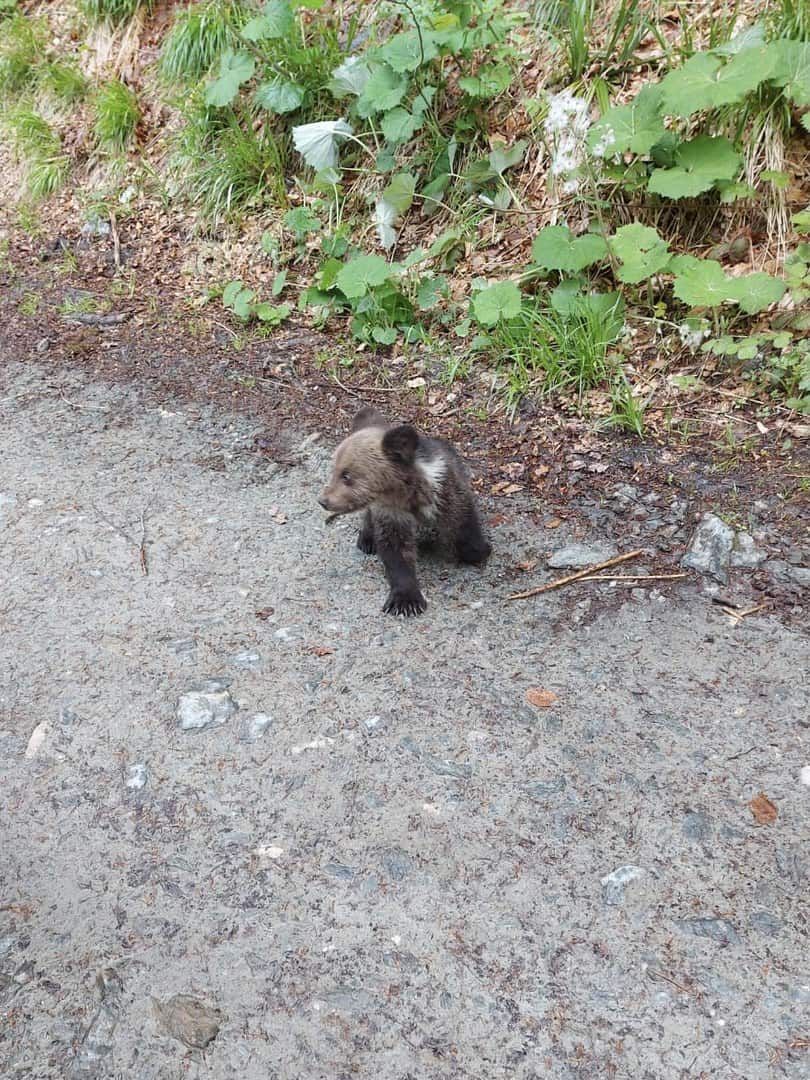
{"x":136,"y":776}
{"x":578,"y":556}
{"x":211,"y":685}
{"x":615,"y":883}
{"x":201,"y":709}
{"x":766,"y":923}
{"x":188,"y":1020}
{"x":545,"y":789}
{"x":696,"y":826}
{"x":254,"y":727}
{"x":710,"y":549}
{"x":397,"y":864}
{"x":717,"y":929}
{"x":340,"y":870}
{"x":801,"y":575}
{"x":446,"y":768}
{"x":246,"y":660}
{"x":745,"y":553}
{"x":97,"y":1042}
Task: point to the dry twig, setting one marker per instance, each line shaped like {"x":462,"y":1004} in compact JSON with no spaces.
{"x":576,"y":577}
{"x":634,"y":577}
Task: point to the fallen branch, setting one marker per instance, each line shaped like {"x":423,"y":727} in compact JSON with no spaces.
{"x":738,"y":616}
{"x":634,"y":577}
{"x":576,"y":577}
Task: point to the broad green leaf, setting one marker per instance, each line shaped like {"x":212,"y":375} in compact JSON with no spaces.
{"x":383,"y":91}
{"x":350,"y":77}
{"x":699,"y":163}
{"x":301,"y":220}
{"x":636,"y":127}
{"x":563,"y":298}
{"x":757,"y":291}
{"x":399,"y":193}
{"x":748,"y":38}
{"x":384,"y":335}
{"x":432,"y":195}
{"x":235,"y":68}
{"x":276,"y":21}
{"x":362,"y":273}
{"x":243,"y":303}
{"x":641,"y":252}
{"x":318,"y":143}
{"x":501,"y":159}
{"x":406,"y":51}
{"x":705,"y":81}
{"x":701,"y":282}
{"x":555,"y":248}
{"x":423,"y":100}
{"x":489,"y":81}
{"x":398,"y":125}
{"x":497,"y":302}
{"x":326,"y":277}
{"x":272,"y":313}
{"x":791,"y":69}
{"x":732,"y":190}
{"x":801,"y":221}
{"x":279,"y":96}
{"x":430,"y":291}
{"x":279,"y":281}
{"x":231,"y":291}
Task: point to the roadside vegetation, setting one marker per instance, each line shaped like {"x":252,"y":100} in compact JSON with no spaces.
{"x":603,"y":202}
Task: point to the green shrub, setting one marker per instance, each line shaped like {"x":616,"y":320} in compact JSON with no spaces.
{"x":117,"y":115}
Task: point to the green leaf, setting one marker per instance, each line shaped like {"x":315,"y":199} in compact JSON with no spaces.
{"x":272,"y":313}
{"x":350,"y":77}
{"x":801,"y":221}
{"x":641,"y":252}
{"x":791,"y":69}
{"x":564,"y":297}
{"x":327,"y":276}
{"x":403,"y":52}
{"x":231,"y":291}
{"x":318,"y":143}
{"x":701,"y":282}
{"x":430,"y":291}
{"x":398,"y":125}
{"x":555,"y":248}
{"x":501,"y":159}
{"x":279,"y":96}
{"x":383,"y":91}
{"x":242,"y":305}
{"x":384,"y":335}
{"x":489,"y":81}
{"x":699,"y":163}
{"x":399,"y":193}
{"x":276,"y":21}
{"x":706,"y":82}
{"x":362,"y":273}
{"x":757,"y":291}
{"x":301,"y":221}
{"x":279,"y":281}
{"x":732,"y":190}
{"x":497,"y":302}
{"x":636,"y":127}
{"x":235,"y":68}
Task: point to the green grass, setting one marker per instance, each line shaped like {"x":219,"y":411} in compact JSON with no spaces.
{"x":39,"y":148}
{"x":22,"y":45}
{"x":114,"y":11}
{"x":197,"y":37}
{"x":63,"y":80}
{"x":117,"y":115}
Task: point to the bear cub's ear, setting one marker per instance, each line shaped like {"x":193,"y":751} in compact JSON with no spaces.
{"x":368,"y":417}
{"x":399,"y":444}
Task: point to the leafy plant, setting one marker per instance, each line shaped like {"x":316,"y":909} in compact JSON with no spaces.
{"x":117,"y":115}
{"x":242,"y":302}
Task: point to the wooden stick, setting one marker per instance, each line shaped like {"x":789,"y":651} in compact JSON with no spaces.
{"x":575,"y":577}
{"x":634,"y":577}
{"x":738,"y":616}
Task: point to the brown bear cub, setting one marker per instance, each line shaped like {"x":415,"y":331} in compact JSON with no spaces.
{"x":413,"y":490}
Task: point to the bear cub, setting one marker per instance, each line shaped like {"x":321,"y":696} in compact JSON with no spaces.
{"x":414,"y":490}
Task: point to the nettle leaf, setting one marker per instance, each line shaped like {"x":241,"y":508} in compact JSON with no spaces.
{"x":383,"y":91}
{"x":399,"y":193}
{"x":496,"y":303}
{"x":758,"y":291}
{"x":276,"y":21}
{"x":699,"y":163}
{"x":501,"y":159}
{"x":636,"y":127}
{"x":489,"y":81}
{"x":641,"y":252}
{"x":350,"y":77}
{"x":279,"y":96}
{"x":791,"y":69}
{"x":235,"y":68}
{"x":318,"y":143}
{"x":362,"y":273}
{"x":398,"y":125}
{"x":705,"y":81}
{"x":747,"y":38}
{"x":302,"y":221}
{"x":556,"y":248}
{"x":407,"y":51}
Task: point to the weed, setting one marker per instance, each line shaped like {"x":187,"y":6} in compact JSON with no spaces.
{"x":39,"y":148}
{"x":22,"y":45}
{"x":199,"y":35}
{"x":29,"y":305}
{"x":117,"y":115}
{"x":114,"y":11}
{"x":627,"y":412}
{"x":63,"y":80}
{"x":83,"y":305}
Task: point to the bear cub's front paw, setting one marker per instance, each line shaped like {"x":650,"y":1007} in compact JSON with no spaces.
{"x":405,"y":601}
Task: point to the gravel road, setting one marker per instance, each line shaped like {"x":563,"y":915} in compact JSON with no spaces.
{"x":255,"y":828}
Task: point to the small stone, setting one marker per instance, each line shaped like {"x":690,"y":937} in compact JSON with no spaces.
{"x":717,"y":929}
{"x":37,"y":739}
{"x":545,"y":789}
{"x":212,"y":685}
{"x":285,"y":633}
{"x":616,"y":882}
{"x":804,"y":776}
{"x":188,"y":1020}
{"x":201,"y":709}
{"x":442,"y":767}
{"x":340,"y":870}
{"x":397,"y":864}
{"x":373,"y":723}
{"x":182,"y":645}
{"x":97,"y":1041}
{"x":578,"y":556}
{"x":801,"y":994}
{"x":254,"y":727}
{"x":801,"y":575}
{"x":246,"y":660}
{"x":766,"y":923}
{"x":745,"y":553}
{"x":136,"y":776}
{"x":710,"y":548}
{"x":696,"y":826}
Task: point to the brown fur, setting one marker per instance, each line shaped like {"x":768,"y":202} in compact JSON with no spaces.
{"x":413,"y":489}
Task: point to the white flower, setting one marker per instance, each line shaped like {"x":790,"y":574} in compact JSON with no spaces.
{"x":318,"y":143}
{"x":599,"y":148}
{"x":566,"y":127}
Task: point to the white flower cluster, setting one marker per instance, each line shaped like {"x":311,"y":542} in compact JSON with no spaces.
{"x":566,"y":128}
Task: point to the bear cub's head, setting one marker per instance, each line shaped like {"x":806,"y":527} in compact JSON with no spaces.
{"x":375,"y":464}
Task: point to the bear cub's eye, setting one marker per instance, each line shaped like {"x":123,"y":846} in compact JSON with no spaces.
{"x":346,"y":477}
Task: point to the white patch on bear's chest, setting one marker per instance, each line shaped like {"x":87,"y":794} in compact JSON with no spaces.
{"x":433,"y":471}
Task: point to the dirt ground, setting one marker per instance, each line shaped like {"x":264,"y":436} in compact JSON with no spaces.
{"x":378,"y":859}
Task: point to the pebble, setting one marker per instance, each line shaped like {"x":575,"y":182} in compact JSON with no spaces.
{"x":804,"y":776}
{"x":397,"y":864}
{"x":710,"y":548}
{"x":766,"y":923}
{"x":246,"y":660}
{"x":616,"y":882}
{"x":254,"y":727}
{"x":442,"y":767}
{"x":745,"y":553}
{"x":578,"y":556}
{"x":37,"y":740}
{"x":136,"y":776}
{"x":188,"y":1020}
{"x":545,"y":789}
{"x":97,"y":1042}
{"x":717,"y":929}
{"x":201,"y":709}
{"x":696,"y":826}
